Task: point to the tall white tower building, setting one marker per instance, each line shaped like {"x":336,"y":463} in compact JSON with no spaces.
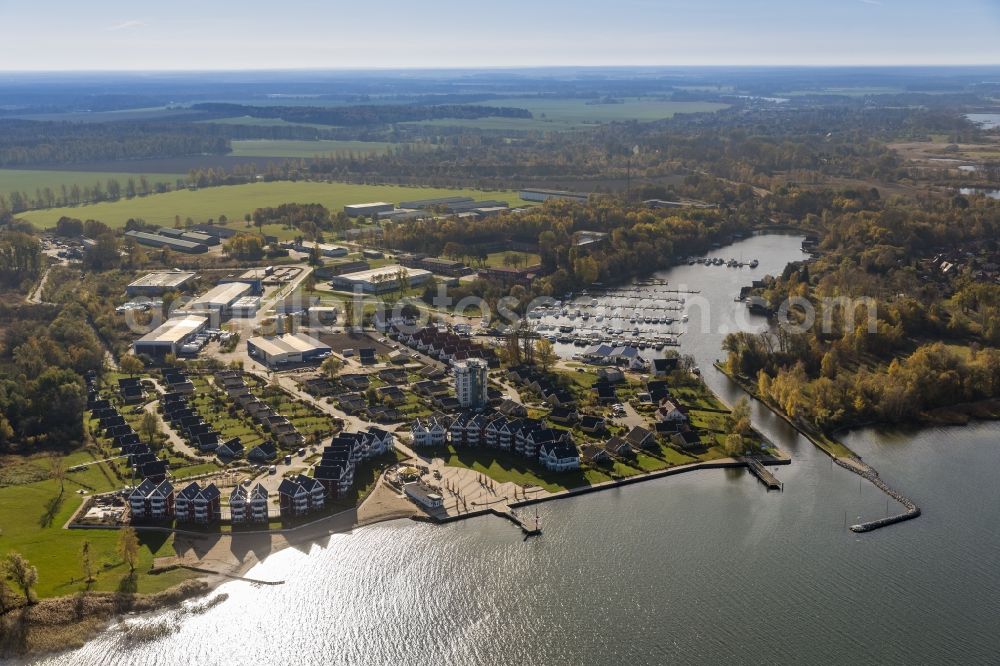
{"x":470,"y":382}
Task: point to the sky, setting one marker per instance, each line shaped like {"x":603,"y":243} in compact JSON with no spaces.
{"x":333,"y":34}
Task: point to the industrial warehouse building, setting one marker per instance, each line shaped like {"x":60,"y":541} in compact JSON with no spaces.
{"x":325,"y":249}
{"x":245,"y":306}
{"x":545,"y":195}
{"x":159,"y":240}
{"x":287,"y":348}
{"x":438,"y":202}
{"x":218,"y":301}
{"x":159,"y":283}
{"x":379,"y":280}
{"x":452,"y":204}
{"x":475,"y":206}
{"x":193,"y":236}
{"x":368,"y":209}
{"x":214,"y":230}
{"x":400,"y":214}
{"x":170,"y":336}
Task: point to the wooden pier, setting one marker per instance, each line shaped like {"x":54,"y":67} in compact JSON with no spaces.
{"x":766,"y":477}
{"x":528,"y":526}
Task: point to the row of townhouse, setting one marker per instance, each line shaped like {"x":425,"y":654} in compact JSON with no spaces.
{"x":347,"y":383}
{"x":527,"y":437}
{"x":543,"y":384}
{"x":159,"y":501}
{"x":282,"y":430}
{"x":195,"y":504}
{"x":177,"y":381}
{"x":131,"y":390}
{"x":185,"y":419}
{"x":335,"y":470}
{"x":249,"y":506}
{"x":140,"y":458}
{"x":444,"y":345}
{"x":345,"y":452}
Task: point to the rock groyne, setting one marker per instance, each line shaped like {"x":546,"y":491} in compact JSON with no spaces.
{"x":870,"y":474}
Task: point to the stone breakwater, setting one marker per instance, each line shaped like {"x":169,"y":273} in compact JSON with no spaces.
{"x":867,"y":472}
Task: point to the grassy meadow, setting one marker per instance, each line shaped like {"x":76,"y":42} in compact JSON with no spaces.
{"x":236,"y":200}
{"x":32,"y":515}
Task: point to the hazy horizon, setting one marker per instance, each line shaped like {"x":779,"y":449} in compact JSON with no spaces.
{"x":665,"y":67}
{"x":308,"y":35}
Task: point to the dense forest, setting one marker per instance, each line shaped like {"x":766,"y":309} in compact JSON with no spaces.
{"x":901,"y":337}
{"x":25,"y":142}
{"x":350,"y":116}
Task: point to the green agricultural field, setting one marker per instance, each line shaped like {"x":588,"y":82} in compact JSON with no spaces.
{"x":27,"y":180}
{"x":568,"y":114}
{"x":290,"y":148}
{"x":31,"y":522}
{"x":236,"y":200}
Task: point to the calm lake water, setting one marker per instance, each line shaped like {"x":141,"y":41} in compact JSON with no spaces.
{"x":992,"y":194}
{"x":986,"y":120}
{"x":701,"y":568}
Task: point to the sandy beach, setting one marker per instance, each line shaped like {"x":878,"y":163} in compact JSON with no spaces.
{"x":232,"y":555}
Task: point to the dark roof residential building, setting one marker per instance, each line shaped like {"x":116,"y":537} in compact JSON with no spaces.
{"x":559,"y":456}
{"x":231,"y":448}
{"x":605,"y":392}
{"x":155,"y":471}
{"x":563,"y":415}
{"x":664,"y":366}
{"x":263,"y":452}
{"x":619,"y":448}
{"x":595,"y":455}
{"x":152,"y":501}
{"x":671,"y":410}
{"x":590,"y":423}
{"x":641,"y":438}
{"x":300,"y":495}
{"x":686,"y":439}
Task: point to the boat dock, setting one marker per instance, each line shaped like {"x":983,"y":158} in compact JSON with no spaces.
{"x":763,"y":474}
{"x":528,"y":526}
{"x":612,"y":291}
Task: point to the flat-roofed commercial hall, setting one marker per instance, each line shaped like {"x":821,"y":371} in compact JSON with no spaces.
{"x":219,"y":299}
{"x":379,"y":280}
{"x":368,"y":209}
{"x":170,"y":336}
{"x":287,"y":348}
{"x":159,"y":283}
